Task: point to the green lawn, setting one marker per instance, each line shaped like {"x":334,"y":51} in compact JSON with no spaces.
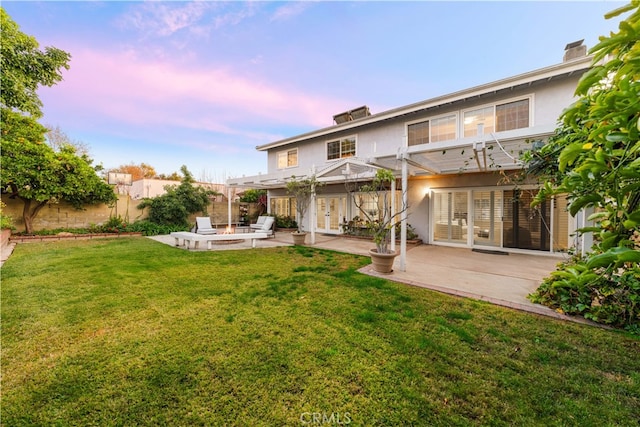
{"x":134,"y":332}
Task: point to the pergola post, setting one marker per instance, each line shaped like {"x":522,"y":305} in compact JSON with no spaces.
{"x":403,"y":215}
{"x":312,"y":214}
{"x":229,"y":209}
{"x":393,"y":214}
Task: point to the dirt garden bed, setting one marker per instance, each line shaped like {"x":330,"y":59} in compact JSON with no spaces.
{"x":17,"y":238}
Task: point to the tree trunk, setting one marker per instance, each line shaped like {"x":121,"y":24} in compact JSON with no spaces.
{"x":28,"y":214}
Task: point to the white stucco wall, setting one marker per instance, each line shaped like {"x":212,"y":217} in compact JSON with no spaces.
{"x":549,"y":99}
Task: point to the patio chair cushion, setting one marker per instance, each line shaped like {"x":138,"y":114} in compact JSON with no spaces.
{"x":265,"y":225}
{"x":259,"y":223}
{"x":203,"y":225}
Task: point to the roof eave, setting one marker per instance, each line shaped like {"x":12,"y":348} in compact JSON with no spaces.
{"x":565,"y":68}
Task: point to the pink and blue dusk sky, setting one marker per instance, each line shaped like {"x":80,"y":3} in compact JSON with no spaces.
{"x":203,"y":83}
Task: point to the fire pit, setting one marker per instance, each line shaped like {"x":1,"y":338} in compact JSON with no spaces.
{"x":230,"y":229}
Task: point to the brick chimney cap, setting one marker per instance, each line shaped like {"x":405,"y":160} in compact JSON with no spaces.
{"x":573,"y":44}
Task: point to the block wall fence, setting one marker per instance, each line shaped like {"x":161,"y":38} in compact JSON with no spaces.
{"x":63,"y":215}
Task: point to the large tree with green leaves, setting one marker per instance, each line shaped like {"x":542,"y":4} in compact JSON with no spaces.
{"x":33,"y":171}
{"x":594,"y":158}
{"x":25,"y":68}
{"x":36,"y":174}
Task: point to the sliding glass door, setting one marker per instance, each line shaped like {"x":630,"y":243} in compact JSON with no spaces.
{"x":526,"y":227}
{"x":498,"y":218}
{"x":487,"y":218}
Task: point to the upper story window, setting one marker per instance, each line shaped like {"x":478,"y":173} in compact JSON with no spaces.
{"x":418,"y":133}
{"x":288,"y":159}
{"x":514,"y":115}
{"x":432,"y":130}
{"x":497,"y":118}
{"x":342,"y":148}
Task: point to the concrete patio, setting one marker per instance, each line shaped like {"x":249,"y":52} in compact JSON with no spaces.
{"x":500,"y":279}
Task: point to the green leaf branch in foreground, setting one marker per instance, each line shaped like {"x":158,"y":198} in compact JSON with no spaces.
{"x":593,"y":158}
{"x":25,"y":68}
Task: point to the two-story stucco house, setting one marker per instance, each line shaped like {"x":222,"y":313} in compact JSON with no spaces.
{"x":452,"y":155}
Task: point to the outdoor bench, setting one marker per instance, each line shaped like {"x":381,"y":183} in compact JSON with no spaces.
{"x":188,"y":238}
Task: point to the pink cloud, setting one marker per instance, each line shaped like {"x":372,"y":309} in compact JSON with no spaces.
{"x":140,"y":91}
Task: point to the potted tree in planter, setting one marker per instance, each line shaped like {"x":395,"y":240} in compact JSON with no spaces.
{"x":301,"y":189}
{"x":373,"y":200}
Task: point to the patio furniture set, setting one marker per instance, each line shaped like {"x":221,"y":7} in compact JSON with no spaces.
{"x":205,"y":232}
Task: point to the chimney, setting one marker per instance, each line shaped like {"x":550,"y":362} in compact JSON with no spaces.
{"x":347,"y":116}
{"x":574,"y":50}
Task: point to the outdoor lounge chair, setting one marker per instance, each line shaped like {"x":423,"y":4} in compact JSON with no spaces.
{"x":264,"y":225}
{"x":203,"y":225}
{"x":259,"y":223}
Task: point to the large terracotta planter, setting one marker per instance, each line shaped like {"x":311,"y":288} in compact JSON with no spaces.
{"x":382,"y":263}
{"x":298,"y":238}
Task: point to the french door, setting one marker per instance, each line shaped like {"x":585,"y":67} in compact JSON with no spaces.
{"x":330,"y":209}
{"x":451,"y":212}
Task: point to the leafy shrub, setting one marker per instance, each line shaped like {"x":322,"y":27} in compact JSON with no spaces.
{"x":149,"y":228}
{"x":285,"y":222}
{"x":167,"y":209}
{"x":253,"y":195}
{"x":608,"y":295}
{"x":356,"y":227}
{"x":6,"y":222}
{"x":115,"y":224}
{"x":411,"y":232}
{"x":54,"y":231}
{"x":174,"y":207}
{"x":360,"y":227}
{"x":593,"y":158}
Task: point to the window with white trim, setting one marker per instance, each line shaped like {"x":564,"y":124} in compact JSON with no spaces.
{"x":443,"y":128}
{"x":288,"y":159}
{"x":497,"y":118}
{"x":341,"y":148}
{"x":432,"y":130}
{"x":283,"y":206}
